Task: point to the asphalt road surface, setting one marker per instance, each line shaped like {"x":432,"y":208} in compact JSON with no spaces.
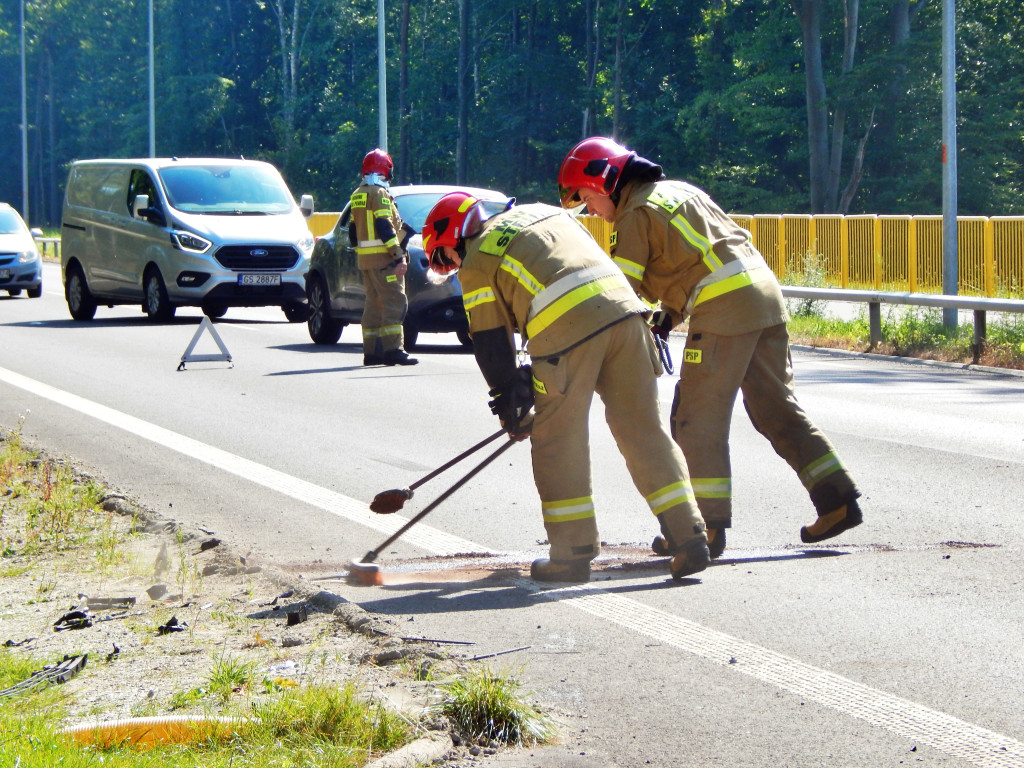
{"x":899,"y":643}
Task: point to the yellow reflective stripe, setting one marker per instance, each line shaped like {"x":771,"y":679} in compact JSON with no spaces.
{"x":570,"y":282}
{"x":630,"y":268}
{"x":382,"y":214}
{"x":743,"y":279}
{"x":569,"y":301}
{"x":522,"y":274}
{"x":812,"y":474}
{"x":712,"y":487}
{"x":370,"y":251}
{"x":670,"y":496}
{"x":358,"y":199}
{"x":698,"y":241}
{"x":380,"y":333}
{"x":474,"y":299}
{"x":567,"y":510}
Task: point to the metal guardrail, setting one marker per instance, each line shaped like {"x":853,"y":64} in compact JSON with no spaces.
{"x":874,"y":299}
{"x":49,"y":247}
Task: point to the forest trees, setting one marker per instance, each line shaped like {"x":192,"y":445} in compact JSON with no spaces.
{"x":810,"y":105}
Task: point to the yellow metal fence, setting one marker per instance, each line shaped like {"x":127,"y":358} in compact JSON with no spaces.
{"x":886,"y":253}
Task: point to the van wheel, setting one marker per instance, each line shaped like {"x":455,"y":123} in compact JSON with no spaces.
{"x":81,"y":303}
{"x":215,"y":310}
{"x":323,"y":329}
{"x":296,"y":312}
{"x":155,"y":303}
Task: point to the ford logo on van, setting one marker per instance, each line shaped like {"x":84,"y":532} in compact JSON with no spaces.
{"x":259,"y":252}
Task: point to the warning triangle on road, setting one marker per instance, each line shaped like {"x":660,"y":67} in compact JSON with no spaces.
{"x":189,"y":357}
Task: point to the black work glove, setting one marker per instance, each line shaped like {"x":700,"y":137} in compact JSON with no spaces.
{"x":512,"y":403}
{"x":661,"y":324}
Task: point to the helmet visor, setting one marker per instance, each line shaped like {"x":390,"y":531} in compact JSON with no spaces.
{"x":570,"y":196}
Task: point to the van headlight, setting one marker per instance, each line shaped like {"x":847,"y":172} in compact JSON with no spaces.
{"x":186,"y":241}
{"x":28,"y":257}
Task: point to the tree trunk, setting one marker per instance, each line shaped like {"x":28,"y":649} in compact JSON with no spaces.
{"x":851,"y":20}
{"x":809,"y":14}
{"x":617,"y":93}
{"x":404,"y":113}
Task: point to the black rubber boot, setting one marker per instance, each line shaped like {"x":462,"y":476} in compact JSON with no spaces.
{"x":832,"y":523}
{"x":560,"y":570}
{"x":694,"y":557}
{"x":716,"y":544}
{"x":398,"y":357}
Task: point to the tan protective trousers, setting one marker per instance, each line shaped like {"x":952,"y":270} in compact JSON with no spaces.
{"x":621,"y":365}
{"x":758,"y":363}
{"x":384,"y":311}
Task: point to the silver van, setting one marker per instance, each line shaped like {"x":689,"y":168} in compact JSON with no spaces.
{"x":196,"y":232}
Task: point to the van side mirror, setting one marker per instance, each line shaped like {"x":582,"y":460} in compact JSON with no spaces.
{"x":141,"y":210}
{"x":306,"y":205}
{"x":140,"y":204}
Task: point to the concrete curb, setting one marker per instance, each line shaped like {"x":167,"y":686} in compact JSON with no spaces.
{"x":912,"y":361}
{"x":420,"y":752}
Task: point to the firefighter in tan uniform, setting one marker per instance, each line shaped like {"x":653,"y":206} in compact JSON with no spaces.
{"x":676,"y":246}
{"x":535,"y":271}
{"x":374,"y":231}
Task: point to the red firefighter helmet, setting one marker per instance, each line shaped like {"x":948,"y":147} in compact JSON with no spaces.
{"x":378,"y":161}
{"x":445,"y":225}
{"x":594,"y":163}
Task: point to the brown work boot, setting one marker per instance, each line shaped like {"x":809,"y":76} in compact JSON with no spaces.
{"x":832,"y":523}
{"x":716,"y":544}
{"x":560,"y":570}
{"x":692,"y":558}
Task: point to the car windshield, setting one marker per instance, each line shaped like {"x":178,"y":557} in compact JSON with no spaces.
{"x":241,"y":190}
{"x":414,"y":208}
{"x":10,"y":222}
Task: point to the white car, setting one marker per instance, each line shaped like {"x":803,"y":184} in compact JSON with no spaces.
{"x":21,"y":269}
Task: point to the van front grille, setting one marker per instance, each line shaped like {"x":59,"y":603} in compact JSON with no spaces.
{"x":273,"y":257}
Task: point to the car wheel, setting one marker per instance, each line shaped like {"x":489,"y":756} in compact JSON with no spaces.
{"x":464,"y":338}
{"x":34,"y":293}
{"x":296,"y":312}
{"x":14,"y":291}
{"x":214,"y":310}
{"x":155,"y":303}
{"x":81,"y":303}
{"x":323,"y":329}
{"x":411,"y":334}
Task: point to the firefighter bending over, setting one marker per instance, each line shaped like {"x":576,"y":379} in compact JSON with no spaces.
{"x":374,"y":231}
{"x":676,"y":246}
{"x":534,"y":271}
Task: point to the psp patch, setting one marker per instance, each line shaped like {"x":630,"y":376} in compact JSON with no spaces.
{"x":692,"y":356}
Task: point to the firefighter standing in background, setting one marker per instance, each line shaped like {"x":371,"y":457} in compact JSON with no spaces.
{"x":535,"y":271}
{"x":676,"y":246}
{"x":374,"y":230}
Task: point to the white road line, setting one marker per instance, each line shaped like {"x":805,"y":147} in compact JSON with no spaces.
{"x":426,"y":538}
{"x":904,"y":718}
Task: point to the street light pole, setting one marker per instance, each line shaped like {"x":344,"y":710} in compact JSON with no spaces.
{"x":950,"y":249}
{"x":152,"y":100}
{"x":24,"y":125}
{"x":382,"y":87}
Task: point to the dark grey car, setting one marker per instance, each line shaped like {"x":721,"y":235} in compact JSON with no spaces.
{"x":334,"y":285}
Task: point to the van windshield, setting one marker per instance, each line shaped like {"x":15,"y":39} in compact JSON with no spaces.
{"x":240,"y":190}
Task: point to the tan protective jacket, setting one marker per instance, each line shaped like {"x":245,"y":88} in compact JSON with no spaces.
{"x":676,"y":245}
{"x":377,"y":225}
{"x":534,"y":269}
